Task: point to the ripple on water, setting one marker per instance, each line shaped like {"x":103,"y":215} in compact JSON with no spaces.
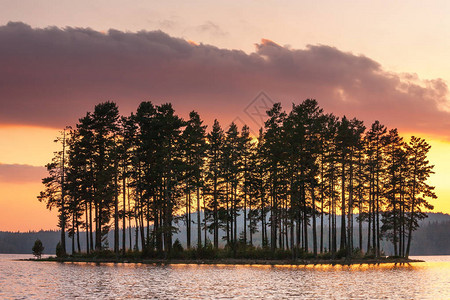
{"x":38,"y":280}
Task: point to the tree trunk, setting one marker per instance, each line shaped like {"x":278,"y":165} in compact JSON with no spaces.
{"x":91,"y":238}
{"x":188,"y":217}
{"x":87,"y":225}
{"x":343,"y":244}
{"x":313,"y":199}
{"x":413,"y":203}
{"x":216,"y":221}
{"x":350,"y":210}
{"x":78,"y":236}
{"x":199,"y":227}
{"x":116,"y":213}
{"x":124,"y":215}
{"x":245,"y":212}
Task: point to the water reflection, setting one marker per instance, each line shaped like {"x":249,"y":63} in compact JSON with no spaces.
{"x":38,"y":280}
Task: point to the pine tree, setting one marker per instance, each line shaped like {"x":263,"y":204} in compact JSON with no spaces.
{"x":194,"y":136}
{"x":418,"y":188}
{"x":214,"y":178}
{"x":37,"y":249}
{"x":246,"y":148}
{"x":104,"y":127}
{"x":150,"y":167}
{"x":54,"y":194}
{"x":274,"y":151}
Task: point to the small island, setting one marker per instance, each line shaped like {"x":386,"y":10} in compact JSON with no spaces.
{"x":309,"y":188}
{"x":243,"y":256}
{"x":237,"y":261}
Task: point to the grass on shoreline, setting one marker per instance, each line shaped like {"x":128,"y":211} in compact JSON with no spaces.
{"x":234,"y":261}
{"x":239,"y":255}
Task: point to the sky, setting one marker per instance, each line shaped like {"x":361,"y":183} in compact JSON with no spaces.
{"x":374,"y":60}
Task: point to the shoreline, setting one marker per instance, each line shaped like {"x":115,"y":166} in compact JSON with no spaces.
{"x":232,"y":261}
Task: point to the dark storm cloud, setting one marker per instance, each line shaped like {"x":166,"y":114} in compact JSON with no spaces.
{"x":16,"y":173}
{"x":52,"y":76}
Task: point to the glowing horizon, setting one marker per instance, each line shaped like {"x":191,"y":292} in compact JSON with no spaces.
{"x":19,"y":198}
{"x":214,"y":58}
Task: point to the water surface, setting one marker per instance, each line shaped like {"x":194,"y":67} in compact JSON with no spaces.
{"x":52,"y":280}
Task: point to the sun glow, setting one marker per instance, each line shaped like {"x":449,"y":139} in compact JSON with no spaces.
{"x":438,"y":156}
{"x":27,"y":145}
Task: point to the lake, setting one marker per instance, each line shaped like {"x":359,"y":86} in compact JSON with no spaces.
{"x":51,"y":280}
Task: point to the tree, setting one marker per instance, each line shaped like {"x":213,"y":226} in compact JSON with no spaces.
{"x":302,"y":129}
{"x":214,"y":176}
{"x":246,"y":147}
{"x":54,"y":193}
{"x":274,"y":155}
{"x":349,"y":136}
{"x":258,"y":190}
{"x":59,"y":251}
{"x":81,"y":154}
{"x":375,"y":137}
{"x":104,"y":127}
{"x":395,"y":156}
{"x":159,"y":173}
{"x":38,"y":248}
{"x":76,"y":186}
{"x":194,"y":138}
{"x":304,"y":165}
{"x":168,"y":154}
{"x":418,"y":189}
{"x":232,"y":174}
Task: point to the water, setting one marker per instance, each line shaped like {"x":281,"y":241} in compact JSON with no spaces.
{"x":50,"y":280}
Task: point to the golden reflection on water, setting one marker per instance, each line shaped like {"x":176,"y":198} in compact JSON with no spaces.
{"x":312,"y":267}
{"x":50,"y":280}
{"x":315,"y":267}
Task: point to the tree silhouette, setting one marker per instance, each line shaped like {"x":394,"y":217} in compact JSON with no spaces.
{"x":153,"y":169}
{"x":38,"y":248}
{"x":54,"y":193}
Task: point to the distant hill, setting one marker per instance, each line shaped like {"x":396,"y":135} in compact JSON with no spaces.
{"x":432,"y":238}
{"x":22,"y":242}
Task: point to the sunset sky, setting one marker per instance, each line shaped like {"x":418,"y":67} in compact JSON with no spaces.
{"x":374,"y":60}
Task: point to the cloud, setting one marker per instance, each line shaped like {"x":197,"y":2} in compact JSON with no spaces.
{"x":212,"y":28}
{"x":15,"y":173}
{"x":52,"y":76}
{"x":167,"y":24}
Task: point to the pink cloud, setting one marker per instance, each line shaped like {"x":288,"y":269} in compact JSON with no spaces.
{"x":52,"y":76}
{"x":15,"y":173}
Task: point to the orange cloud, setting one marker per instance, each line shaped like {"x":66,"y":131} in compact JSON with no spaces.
{"x":267,"y":42}
{"x":192,"y":43}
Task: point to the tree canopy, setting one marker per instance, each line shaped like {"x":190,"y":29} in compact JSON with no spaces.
{"x":152,"y":169}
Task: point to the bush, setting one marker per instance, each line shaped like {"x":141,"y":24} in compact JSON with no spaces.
{"x":104,"y":253}
{"x":149,"y":252}
{"x":133,"y":254}
{"x":341,"y":253}
{"x":357,"y":253}
{"x":206,"y":252}
{"x":38,"y":248}
{"x":324,"y":255}
{"x":370,"y":253}
{"x":60,"y":251}
{"x":177,"y":250}
{"x":177,"y":247}
{"x":283,"y":254}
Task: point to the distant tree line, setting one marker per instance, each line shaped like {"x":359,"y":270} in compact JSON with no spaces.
{"x":153,"y":168}
{"x":431,"y":238}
